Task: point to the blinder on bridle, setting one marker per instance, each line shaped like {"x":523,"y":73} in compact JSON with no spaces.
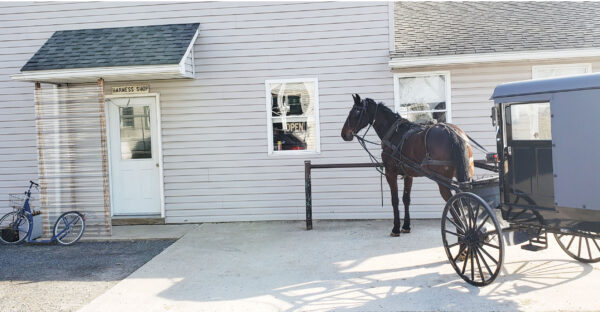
{"x":362,"y":110}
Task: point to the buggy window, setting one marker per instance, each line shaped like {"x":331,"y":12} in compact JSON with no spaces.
{"x":530,"y":121}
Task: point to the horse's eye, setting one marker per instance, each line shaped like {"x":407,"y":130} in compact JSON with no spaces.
{"x":356,"y":112}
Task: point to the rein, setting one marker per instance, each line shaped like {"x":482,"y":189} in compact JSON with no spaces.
{"x":361,"y":139}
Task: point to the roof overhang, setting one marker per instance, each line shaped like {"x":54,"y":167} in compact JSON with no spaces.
{"x":117,"y":73}
{"x":185,"y":68}
{"x":410,"y":62}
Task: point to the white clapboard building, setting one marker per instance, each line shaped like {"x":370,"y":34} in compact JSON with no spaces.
{"x":169,"y":112}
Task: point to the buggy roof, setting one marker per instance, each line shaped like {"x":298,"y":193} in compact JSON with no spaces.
{"x":551,"y":85}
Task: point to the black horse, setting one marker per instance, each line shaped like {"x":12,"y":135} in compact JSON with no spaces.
{"x":441,"y":148}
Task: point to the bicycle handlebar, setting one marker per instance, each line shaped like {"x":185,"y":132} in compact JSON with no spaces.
{"x":33,"y":183}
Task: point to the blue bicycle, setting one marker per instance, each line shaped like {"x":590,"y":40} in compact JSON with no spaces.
{"x":17,"y":226}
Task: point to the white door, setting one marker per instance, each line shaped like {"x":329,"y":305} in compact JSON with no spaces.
{"x":134,"y":161}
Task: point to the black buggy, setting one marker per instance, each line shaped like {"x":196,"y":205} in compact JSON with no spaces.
{"x":547,"y":181}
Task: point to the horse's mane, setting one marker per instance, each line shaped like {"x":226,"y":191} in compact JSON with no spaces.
{"x":384,"y":108}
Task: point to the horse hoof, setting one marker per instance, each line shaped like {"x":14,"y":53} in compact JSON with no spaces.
{"x":405,"y":231}
{"x":394,"y":234}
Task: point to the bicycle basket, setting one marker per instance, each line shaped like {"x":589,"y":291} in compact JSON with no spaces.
{"x":16,"y":201}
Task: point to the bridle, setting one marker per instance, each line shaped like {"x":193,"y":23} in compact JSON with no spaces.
{"x":363,"y":113}
{"x":361,"y":138}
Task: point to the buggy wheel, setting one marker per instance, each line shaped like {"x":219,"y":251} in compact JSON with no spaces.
{"x":583,"y":247}
{"x":69,"y":228}
{"x":472,"y":239}
{"x":14,"y":228}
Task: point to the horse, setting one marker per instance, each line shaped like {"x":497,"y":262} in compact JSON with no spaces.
{"x":440,"y":148}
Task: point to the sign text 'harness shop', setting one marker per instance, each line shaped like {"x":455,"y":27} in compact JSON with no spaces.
{"x":130,"y":89}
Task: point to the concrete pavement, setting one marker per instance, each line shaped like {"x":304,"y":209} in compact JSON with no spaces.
{"x":341,"y":266}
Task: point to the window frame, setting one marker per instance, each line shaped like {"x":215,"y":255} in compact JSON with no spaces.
{"x":448,"y":90}
{"x":268,"y":97}
{"x":536,"y":68}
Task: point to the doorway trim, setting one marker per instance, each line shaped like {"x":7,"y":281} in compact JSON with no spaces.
{"x":159,"y":140}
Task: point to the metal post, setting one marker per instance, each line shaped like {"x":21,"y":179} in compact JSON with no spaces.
{"x":308,"y":194}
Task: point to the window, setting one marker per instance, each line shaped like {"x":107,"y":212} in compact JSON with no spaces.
{"x":136,"y":136}
{"x":559,"y":70}
{"x":292,"y":115}
{"x":423,"y":97}
{"x":530,"y":121}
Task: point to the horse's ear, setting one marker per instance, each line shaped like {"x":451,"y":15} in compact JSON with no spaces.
{"x":356,"y":99}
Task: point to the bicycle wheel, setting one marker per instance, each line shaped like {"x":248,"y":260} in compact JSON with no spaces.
{"x":14,"y":228}
{"x":69,"y":228}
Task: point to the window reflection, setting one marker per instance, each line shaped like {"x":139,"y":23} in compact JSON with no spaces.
{"x":531,"y":121}
{"x":135,"y":132}
{"x":293,"y":115}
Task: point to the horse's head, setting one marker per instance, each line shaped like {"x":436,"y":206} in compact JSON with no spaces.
{"x":358,"y":118}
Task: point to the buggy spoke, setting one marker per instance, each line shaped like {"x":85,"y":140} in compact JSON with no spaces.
{"x":487,"y":216}
{"x":462,"y":217}
{"x":477,"y":212}
{"x":455,"y":234}
{"x":460,"y":251}
{"x":454,"y":245}
{"x":490,"y":245}
{"x":596,"y":243}
{"x":490,"y":256}
{"x":571,"y":241}
{"x":579,"y":248}
{"x":479,"y":266}
{"x":458,"y":228}
{"x":587,"y":243}
{"x":465,"y":264}
{"x":472,"y":265}
{"x":471,"y":220}
{"x":457,"y":218}
{"x":484,"y":262}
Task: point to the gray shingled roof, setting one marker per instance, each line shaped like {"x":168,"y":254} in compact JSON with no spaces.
{"x":123,"y":46}
{"x":450,"y":28}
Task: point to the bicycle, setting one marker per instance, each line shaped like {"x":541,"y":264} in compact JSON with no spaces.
{"x":17,"y":226}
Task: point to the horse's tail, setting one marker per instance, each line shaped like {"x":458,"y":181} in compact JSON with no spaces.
{"x":461,"y":154}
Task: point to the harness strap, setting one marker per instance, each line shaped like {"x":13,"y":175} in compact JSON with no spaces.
{"x":392,"y":129}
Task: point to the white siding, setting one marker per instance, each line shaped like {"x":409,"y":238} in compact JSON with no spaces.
{"x":471,"y":89}
{"x":214,"y":131}
{"x":216,"y":166}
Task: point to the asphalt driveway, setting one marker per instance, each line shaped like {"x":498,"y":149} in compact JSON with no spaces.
{"x":341,"y":266}
{"x":51,"y":277}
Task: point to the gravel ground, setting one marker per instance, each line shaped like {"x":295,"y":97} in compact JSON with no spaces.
{"x":64,"y":278}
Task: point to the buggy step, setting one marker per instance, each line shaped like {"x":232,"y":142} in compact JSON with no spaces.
{"x":537,"y":243}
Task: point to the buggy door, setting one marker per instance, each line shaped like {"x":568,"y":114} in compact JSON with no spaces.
{"x":529,"y":179}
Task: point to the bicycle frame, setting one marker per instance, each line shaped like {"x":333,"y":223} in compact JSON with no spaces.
{"x":29,"y":214}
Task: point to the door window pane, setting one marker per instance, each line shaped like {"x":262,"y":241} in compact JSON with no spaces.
{"x":422,"y":99}
{"x":293,"y":115}
{"x":530,"y":121}
{"x":135,"y":132}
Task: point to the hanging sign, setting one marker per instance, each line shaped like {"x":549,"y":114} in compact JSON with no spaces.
{"x":131,"y":89}
{"x":297,"y":126}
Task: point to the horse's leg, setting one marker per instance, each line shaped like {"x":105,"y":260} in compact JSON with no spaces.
{"x":406,"y":201}
{"x":392,"y":179}
{"x":445,"y":192}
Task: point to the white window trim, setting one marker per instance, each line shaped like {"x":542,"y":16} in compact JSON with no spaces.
{"x":397,"y":76}
{"x":268,"y":98}
{"x":536,"y":68}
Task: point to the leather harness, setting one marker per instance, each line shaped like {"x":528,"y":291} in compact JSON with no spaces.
{"x":412,"y":130}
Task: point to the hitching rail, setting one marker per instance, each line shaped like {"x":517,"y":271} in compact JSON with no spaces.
{"x":308,"y":184}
